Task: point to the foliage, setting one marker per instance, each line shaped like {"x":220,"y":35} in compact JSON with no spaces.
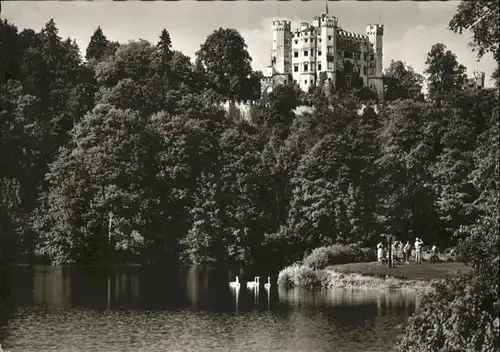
{"x":135,"y":138}
{"x":445,"y":74}
{"x":286,"y":276}
{"x":165,"y":45}
{"x":227,"y":64}
{"x":322,"y":257}
{"x":462,"y":314}
{"x":482,"y":18}
{"x":448,"y":321}
{"x":301,"y":276}
{"x":99,"y":46}
{"x":129,"y":157}
{"x":399,"y":80}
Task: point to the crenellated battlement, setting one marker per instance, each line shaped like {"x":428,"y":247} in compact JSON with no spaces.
{"x":239,"y":102}
{"x":329,"y":21}
{"x":352,"y":35}
{"x":282,"y":25}
{"x":375,"y":29}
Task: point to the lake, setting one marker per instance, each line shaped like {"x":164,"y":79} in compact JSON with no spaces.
{"x":144,"y":309}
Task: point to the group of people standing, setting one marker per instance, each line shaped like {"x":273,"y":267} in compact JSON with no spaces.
{"x":401,"y":252}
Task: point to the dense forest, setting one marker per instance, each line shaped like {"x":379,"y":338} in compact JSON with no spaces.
{"x":127,"y":155}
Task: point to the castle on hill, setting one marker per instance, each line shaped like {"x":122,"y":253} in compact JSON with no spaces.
{"x":476,"y":81}
{"x":321,"y":48}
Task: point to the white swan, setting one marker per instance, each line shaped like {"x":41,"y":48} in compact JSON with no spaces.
{"x":235,"y":284}
{"x":268,"y":284}
{"x":254,"y":283}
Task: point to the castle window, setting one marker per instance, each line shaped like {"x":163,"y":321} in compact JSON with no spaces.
{"x":305,"y":81}
{"x":365,"y":70}
{"x":365,"y":56}
{"x":372,"y":57}
{"x":295,"y":54}
{"x":319,"y":40}
{"x":296,"y":42}
{"x":306,"y":67}
{"x":319,"y":67}
{"x":295,"y":68}
{"x":284,"y":82}
{"x":305,"y":40}
{"x":329,"y":37}
{"x":319,"y":52}
{"x":306,"y":53}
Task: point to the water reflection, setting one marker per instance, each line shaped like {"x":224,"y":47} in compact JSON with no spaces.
{"x":235,"y":292}
{"x":147,"y":309}
{"x":332,"y":297}
{"x":52,"y":287}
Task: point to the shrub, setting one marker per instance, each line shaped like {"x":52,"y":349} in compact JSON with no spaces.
{"x":286,"y":276}
{"x":459,"y":314}
{"x":302,"y":276}
{"x":322,"y":257}
{"x":307,"y":277}
{"x":319,"y":258}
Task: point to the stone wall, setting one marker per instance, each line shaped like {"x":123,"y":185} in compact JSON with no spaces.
{"x":245,"y":110}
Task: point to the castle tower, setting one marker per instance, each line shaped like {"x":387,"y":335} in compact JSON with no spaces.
{"x":479,"y":78}
{"x":282,"y":47}
{"x":375,"y":33}
{"x":314,"y":51}
{"x":328,"y":47}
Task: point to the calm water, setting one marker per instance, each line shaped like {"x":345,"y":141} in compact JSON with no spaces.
{"x":147,"y":310}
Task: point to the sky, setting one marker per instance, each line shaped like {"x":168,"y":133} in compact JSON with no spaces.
{"x":411,"y":28}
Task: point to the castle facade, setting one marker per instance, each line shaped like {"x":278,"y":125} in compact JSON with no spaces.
{"x":321,"y":48}
{"x":476,"y":81}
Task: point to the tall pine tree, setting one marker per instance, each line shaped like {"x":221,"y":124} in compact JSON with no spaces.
{"x":98,"y":47}
{"x":165,"y":45}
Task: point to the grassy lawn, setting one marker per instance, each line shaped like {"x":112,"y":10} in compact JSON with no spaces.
{"x":424,"y":271}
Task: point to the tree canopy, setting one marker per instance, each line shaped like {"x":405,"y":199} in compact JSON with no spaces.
{"x":129,"y":157}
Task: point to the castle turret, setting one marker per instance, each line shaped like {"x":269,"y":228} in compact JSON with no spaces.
{"x":282,"y":46}
{"x":375,"y":33}
{"x":479,"y":78}
{"x":328,"y":47}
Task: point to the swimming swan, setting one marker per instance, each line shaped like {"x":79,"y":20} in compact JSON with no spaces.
{"x":254,"y":283}
{"x":235,"y":283}
{"x":268,"y":284}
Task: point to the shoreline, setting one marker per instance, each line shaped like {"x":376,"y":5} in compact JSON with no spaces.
{"x":362,"y":281}
{"x":415,"y":277}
